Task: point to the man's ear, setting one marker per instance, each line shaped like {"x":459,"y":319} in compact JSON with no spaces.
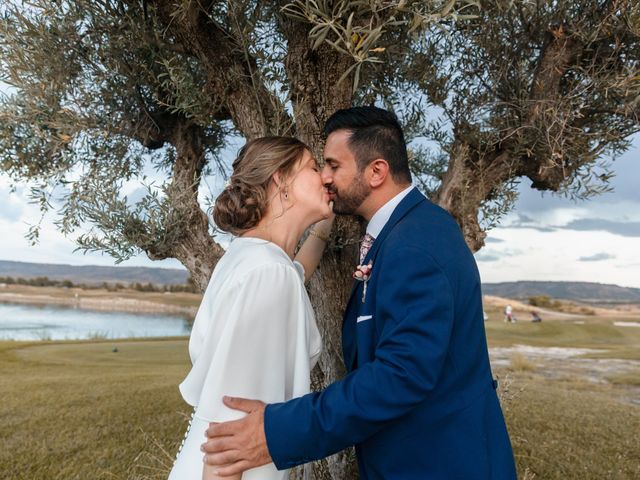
{"x":378,"y":171}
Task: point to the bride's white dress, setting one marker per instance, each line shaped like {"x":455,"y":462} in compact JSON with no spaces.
{"x":254,"y":336}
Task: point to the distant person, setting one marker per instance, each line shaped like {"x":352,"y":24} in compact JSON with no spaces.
{"x":508,"y":314}
{"x":535,"y":318}
{"x":255,"y":334}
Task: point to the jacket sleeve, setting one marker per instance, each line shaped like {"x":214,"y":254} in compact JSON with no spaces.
{"x":415,"y":299}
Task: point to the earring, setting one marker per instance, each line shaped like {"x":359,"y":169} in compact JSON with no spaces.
{"x":286,"y":194}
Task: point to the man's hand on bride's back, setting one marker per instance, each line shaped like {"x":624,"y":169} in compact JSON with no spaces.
{"x":233,"y":447}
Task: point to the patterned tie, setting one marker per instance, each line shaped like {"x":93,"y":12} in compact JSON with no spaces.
{"x":367,"y":241}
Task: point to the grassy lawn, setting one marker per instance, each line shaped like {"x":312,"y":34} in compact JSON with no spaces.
{"x":79,"y":410}
{"x":565,"y":427}
{"x":570,"y":430}
{"x":595,"y":333}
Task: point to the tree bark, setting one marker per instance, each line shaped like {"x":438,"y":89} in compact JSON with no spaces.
{"x":466,"y":184}
{"x":195,"y":248}
{"x":187,"y":236}
{"x":313,"y":76}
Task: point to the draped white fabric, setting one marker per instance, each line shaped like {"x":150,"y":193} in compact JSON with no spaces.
{"x":254,"y":336}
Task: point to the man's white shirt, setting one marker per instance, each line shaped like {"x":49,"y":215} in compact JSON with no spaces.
{"x":381,"y":217}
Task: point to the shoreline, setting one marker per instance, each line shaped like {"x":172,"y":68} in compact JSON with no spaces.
{"x":110,"y":304}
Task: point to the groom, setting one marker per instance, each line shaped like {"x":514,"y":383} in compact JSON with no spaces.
{"x":419,"y":400}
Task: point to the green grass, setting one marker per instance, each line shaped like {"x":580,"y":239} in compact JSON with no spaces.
{"x":79,"y":410}
{"x":616,"y":342}
{"x":570,"y":428}
{"x":519,"y":363}
{"x":629,"y":378}
{"x":566,"y":431}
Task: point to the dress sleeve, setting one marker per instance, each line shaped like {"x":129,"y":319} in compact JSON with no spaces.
{"x":262,"y":350}
{"x":300,"y":269}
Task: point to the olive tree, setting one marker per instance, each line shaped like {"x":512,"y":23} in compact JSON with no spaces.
{"x":491,"y":93}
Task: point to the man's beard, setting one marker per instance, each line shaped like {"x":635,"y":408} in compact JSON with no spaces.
{"x":348,"y":201}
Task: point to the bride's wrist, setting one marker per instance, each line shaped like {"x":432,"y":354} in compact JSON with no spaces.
{"x":319,"y":234}
{"x":322,"y":229}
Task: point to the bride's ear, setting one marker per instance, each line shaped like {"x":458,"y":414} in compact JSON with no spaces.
{"x":277,"y":180}
{"x":280,"y":184}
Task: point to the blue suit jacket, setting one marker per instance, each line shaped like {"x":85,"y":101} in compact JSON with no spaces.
{"x":419,"y":400}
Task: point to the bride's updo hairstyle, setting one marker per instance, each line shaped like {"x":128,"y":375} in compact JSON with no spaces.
{"x":244,"y":201}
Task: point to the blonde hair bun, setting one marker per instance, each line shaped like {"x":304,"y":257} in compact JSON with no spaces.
{"x":243,"y":203}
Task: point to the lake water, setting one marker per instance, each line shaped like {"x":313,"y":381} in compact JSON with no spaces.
{"x":30,"y":322}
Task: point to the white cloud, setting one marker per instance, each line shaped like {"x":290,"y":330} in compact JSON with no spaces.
{"x":626,"y":228}
{"x":53,"y":247}
{"x":556,"y":256}
{"x":11,"y":208}
{"x":559,"y":239}
{"x":491,"y":239}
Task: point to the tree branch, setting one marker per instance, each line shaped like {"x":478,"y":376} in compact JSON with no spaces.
{"x":313,"y":77}
{"x":476,"y":169}
{"x":231,"y":73}
{"x":192,"y":244}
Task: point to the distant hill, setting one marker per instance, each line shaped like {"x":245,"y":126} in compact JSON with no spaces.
{"x":583,"y":291}
{"x":93,"y":274}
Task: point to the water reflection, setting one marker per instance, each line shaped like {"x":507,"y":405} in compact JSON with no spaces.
{"x":45,"y":322}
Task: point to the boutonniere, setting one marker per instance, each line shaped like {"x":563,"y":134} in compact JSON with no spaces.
{"x":362,"y":274}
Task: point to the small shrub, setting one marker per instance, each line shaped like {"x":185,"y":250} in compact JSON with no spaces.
{"x":540,"y":301}
{"x":520,"y":363}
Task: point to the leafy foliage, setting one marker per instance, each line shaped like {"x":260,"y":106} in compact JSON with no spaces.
{"x":92,"y":82}
{"x":490,"y":93}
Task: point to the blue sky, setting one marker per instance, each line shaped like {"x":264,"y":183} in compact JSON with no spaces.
{"x":543,"y":238}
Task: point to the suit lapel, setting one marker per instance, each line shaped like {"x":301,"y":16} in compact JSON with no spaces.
{"x":413,"y":198}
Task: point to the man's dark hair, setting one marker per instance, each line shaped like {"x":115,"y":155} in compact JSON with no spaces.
{"x":375,"y":133}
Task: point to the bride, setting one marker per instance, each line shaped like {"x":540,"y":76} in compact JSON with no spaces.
{"x":255,"y":335}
